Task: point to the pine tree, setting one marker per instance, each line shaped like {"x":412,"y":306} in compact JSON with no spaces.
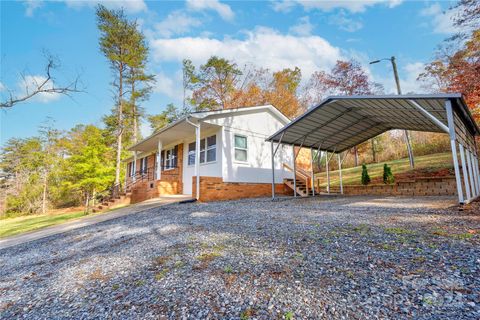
{"x":115,"y":44}
{"x":365,"y":176}
{"x":388,"y":177}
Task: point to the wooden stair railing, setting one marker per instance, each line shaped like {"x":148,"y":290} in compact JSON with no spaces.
{"x":302,"y":187}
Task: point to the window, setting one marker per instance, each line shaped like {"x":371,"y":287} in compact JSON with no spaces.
{"x":170,"y":158}
{"x":208,"y":150}
{"x":240,"y":148}
{"x":191,"y":153}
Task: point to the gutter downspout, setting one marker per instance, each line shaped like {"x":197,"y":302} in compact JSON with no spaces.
{"x":197,"y":156}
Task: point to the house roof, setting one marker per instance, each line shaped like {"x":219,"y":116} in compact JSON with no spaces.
{"x":177,"y":129}
{"x":339,"y":123}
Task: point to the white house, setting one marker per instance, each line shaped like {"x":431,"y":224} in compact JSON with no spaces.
{"x":235,"y":160}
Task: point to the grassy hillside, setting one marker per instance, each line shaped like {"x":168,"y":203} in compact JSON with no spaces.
{"x":424,"y":166}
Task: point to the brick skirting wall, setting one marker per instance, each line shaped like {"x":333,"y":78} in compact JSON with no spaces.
{"x":170,"y":183}
{"x":441,"y":186}
{"x":214,"y":189}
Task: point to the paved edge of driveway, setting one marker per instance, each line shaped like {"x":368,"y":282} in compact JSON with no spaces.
{"x":84,"y":222}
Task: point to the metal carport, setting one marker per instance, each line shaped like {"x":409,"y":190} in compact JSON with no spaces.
{"x":339,"y":123}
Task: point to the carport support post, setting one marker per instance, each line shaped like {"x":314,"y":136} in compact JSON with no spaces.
{"x":470,"y":171}
{"x":453,"y":143}
{"x":464,"y":170}
{"x":273,"y":172}
{"x":340,"y":172}
{"x":328,"y":173}
{"x":294,"y":171}
{"x":478,"y":173}
{"x":311,"y":172}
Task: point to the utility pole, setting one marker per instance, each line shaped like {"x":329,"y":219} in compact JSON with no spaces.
{"x":399,"y":91}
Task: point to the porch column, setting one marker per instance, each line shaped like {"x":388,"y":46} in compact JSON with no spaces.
{"x":134,"y":167}
{"x":159,"y":160}
{"x":453,"y":144}
{"x":197,"y":160}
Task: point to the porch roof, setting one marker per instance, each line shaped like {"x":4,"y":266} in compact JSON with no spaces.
{"x":178,"y":130}
{"x":339,"y":123}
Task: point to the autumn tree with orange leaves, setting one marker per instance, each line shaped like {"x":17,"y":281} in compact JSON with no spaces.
{"x":456,"y":66}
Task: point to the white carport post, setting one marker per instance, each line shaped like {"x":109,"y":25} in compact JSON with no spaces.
{"x":453,"y":143}
{"x":477,"y":170}
{"x":273,"y":171}
{"x":159,"y":160}
{"x":328,"y":172}
{"x":340,"y":172}
{"x":464,"y":170}
{"x":311,"y":172}
{"x":471,"y":174}
{"x":294,"y":159}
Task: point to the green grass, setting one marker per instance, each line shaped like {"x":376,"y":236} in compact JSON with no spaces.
{"x":21,"y":224}
{"x":12,"y":226}
{"x":353,"y":175}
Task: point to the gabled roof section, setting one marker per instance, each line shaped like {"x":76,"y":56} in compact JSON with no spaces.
{"x":339,"y":123}
{"x":226,"y":112}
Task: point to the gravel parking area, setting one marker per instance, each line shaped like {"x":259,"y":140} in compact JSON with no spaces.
{"x":322,"y":258}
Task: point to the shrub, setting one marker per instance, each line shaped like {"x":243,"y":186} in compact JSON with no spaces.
{"x":388,"y":177}
{"x":365,"y":176}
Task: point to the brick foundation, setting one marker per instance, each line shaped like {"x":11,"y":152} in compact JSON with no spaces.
{"x":441,"y":186}
{"x":214,"y":189}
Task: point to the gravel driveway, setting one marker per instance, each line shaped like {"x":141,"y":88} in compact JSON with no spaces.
{"x":332,"y":258}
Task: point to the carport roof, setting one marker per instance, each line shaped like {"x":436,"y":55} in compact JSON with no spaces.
{"x":339,"y":123}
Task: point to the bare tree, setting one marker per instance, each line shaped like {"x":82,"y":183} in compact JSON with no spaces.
{"x":44,"y":85}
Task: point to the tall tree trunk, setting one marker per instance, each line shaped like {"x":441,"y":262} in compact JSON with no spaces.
{"x":355,"y":155}
{"x":87,"y":202}
{"x":120,"y":125}
{"x":135,"y":116}
{"x":44,"y":194}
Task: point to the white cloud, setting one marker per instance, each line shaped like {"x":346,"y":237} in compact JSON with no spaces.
{"x":31,"y":6}
{"x":439,"y":20}
{"x":2,"y":87}
{"x":409,"y":82}
{"x":344,"y":22}
{"x":167,"y":86}
{"x":222,"y":9}
{"x":328,"y":5}
{"x":176,"y":23}
{"x":30,"y":82}
{"x":408,"y":78}
{"x":303,"y":28}
{"x":262,"y":47}
{"x":130,"y":6}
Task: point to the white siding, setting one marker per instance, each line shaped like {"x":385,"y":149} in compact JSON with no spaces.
{"x":256,"y":127}
{"x":212,"y":169}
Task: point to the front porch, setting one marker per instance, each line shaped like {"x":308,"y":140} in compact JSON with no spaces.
{"x":159,"y":167}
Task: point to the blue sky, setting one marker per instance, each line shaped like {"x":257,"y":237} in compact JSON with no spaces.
{"x":309,"y":34}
